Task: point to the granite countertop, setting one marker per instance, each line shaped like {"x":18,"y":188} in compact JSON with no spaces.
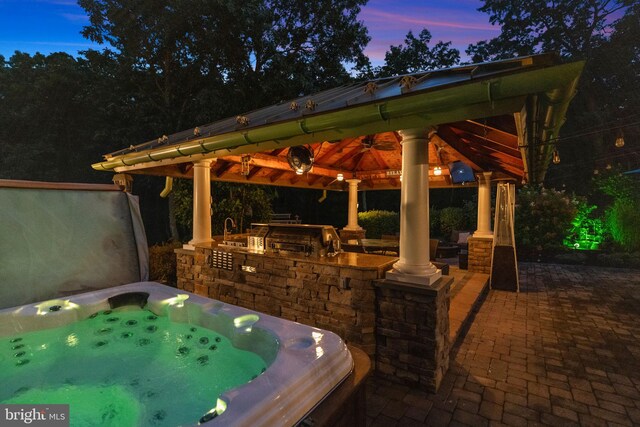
{"x":344,"y":259}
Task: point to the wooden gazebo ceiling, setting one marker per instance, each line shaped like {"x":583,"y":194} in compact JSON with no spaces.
{"x":484,"y":145}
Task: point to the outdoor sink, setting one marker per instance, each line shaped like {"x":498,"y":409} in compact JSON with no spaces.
{"x":237,"y":240}
{"x":237,"y":243}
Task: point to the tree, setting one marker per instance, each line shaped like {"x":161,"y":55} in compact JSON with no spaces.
{"x":416,"y":55}
{"x":287,"y":48}
{"x":194,"y":61}
{"x":223,"y":57}
{"x":576,"y":29}
{"x":47,"y":118}
{"x":166,"y":50}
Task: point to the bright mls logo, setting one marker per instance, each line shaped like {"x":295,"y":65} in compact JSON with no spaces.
{"x":34,"y":415}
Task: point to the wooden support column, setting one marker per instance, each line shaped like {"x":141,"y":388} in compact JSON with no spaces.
{"x":201,"y":202}
{"x":414,"y":265}
{"x":352,"y":223}
{"x":484,"y":205}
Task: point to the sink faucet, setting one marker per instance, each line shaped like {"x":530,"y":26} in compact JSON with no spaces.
{"x":227,"y":231}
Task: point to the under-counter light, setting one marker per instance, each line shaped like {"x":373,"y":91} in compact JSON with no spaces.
{"x":246,"y":322}
{"x":54,"y":306}
{"x":72,"y":340}
{"x":248,"y":268}
{"x":177,"y":301}
{"x":221,"y":406}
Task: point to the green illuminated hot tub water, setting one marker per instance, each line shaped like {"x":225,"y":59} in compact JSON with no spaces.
{"x":124,"y":368}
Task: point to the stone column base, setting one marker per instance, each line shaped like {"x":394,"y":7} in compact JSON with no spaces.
{"x":412,"y":332}
{"x":480,"y":254}
{"x":351,"y":234}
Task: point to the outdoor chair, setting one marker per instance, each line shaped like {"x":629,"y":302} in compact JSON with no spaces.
{"x":459,"y":238}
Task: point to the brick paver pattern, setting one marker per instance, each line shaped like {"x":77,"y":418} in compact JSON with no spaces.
{"x":564,"y":351}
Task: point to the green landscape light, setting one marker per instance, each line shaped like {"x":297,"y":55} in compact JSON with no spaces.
{"x":586,"y":233}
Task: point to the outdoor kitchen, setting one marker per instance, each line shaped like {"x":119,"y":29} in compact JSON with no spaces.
{"x":407,"y":133}
{"x":298,"y":272}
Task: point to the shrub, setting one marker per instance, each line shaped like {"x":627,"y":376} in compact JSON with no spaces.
{"x":162,"y":263}
{"x":623,"y":220}
{"x":243,"y":203}
{"x":378,"y":223}
{"x":470,"y":208}
{"x":575,"y":257}
{"x":627,"y":260}
{"x":434,"y":222}
{"x":543,"y":217}
{"x":586,"y":231}
{"x":453,"y":219}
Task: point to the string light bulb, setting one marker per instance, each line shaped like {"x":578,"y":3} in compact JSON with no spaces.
{"x":437,"y":171}
{"x":620,"y":140}
{"x":556,"y":156}
{"x":340,"y":177}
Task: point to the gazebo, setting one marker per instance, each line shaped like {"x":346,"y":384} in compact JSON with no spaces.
{"x":407,"y":132}
{"x":493,"y":121}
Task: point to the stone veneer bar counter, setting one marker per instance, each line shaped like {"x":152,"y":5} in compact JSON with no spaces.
{"x":404,"y":328}
{"x":333,"y":293}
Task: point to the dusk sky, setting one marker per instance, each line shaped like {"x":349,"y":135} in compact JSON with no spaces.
{"x":54,"y":25}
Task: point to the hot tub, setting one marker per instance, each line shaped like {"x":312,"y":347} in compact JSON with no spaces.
{"x":148,"y":354}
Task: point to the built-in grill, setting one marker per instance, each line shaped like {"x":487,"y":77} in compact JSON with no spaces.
{"x":311,"y":240}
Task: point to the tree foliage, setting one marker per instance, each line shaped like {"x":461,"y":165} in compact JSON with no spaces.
{"x":606,"y":34}
{"x":378,"y":223}
{"x":622,"y":216}
{"x":179,"y":64}
{"x":242,"y":203}
{"x":543,"y":217}
{"x":574,"y":28}
{"x":47,"y":118}
{"x":223,"y":57}
{"x":416,"y":55}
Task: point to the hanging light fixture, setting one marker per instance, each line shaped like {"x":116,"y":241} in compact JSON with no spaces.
{"x":437,"y":170}
{"x":620,"y":139}
{"x":300,"y":159}
{"x":245,"y":166}
{"x":556,"y":156}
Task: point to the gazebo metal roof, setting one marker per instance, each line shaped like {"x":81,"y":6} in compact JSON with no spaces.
{"x":497,"y":116}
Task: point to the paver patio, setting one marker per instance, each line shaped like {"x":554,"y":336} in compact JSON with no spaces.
{"x":564,"y":351}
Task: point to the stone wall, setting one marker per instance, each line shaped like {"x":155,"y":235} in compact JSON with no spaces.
{"x":480,"y":254}
{"x":412,"y":337}
{"x":339,"y":299}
